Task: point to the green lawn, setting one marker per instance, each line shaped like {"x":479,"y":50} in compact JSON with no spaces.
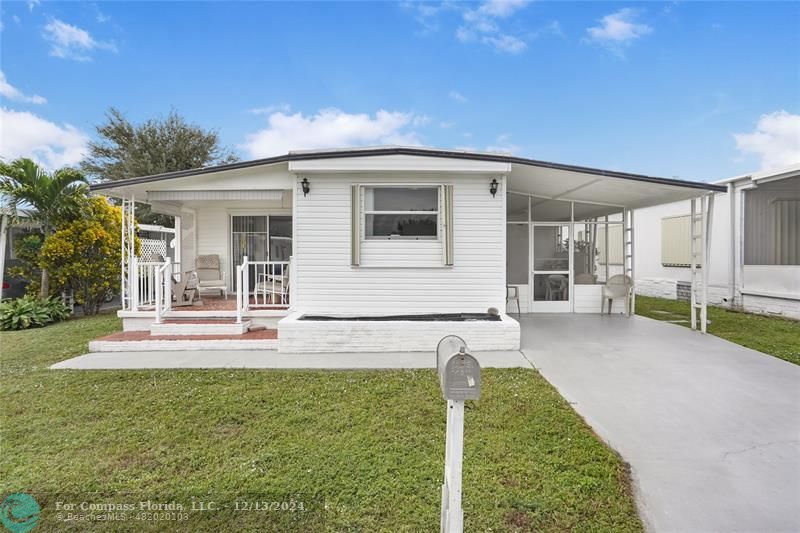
{"x":775,"y":336}
{"x":363,"y":450}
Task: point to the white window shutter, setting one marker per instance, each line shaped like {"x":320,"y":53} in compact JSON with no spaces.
{"x":447,"y":225}
{"x":355,"y":225}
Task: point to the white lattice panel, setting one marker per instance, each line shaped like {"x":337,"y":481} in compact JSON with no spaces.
{"x":152,"y":249}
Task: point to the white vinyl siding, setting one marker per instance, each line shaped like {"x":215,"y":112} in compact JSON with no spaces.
{"x":675,"y":246}
{"x":403,"y":276}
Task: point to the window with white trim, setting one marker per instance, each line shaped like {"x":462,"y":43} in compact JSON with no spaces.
{"x":401,"y":212}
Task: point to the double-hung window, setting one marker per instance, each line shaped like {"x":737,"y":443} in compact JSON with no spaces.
{"x":401,"y":212}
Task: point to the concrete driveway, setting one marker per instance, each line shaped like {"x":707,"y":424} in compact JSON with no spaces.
{"x":711,"y":429}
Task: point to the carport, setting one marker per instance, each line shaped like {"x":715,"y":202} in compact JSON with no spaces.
{"x":569,"y":229}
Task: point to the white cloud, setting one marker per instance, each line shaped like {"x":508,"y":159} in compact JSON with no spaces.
{"x":506,"y":43}
{"x":268,"y":110}
{"x":72,"y":42}
{"x":426,"y":14}
{"x":482,"y":23}
{"x":503,"y":145}
{"x":332,"y":128}
{"x":12,"y":93}
{"x":618,"y":29}
{"x":776,"y":140}
{"x":457,"y":96}
{"x":24,"y":134}
{"x":32,"y":4}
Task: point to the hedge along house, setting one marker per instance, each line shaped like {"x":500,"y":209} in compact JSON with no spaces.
{"x":365,"y":237}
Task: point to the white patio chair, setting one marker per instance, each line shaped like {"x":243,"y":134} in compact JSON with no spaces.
{"x":210,"y":275}
{"x":512,"y":295}
{"x":617,"y":287}
{"x":557,"y":287}
{"x":274,"y":285}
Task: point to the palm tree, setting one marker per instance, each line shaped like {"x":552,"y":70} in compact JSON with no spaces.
{"x":43,"y":197}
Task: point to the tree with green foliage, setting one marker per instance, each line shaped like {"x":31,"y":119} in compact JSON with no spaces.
{"x":44,"y":197}
{"x":85,"y":254}
{"x":127,"y":150}
{"x":26,"y":249}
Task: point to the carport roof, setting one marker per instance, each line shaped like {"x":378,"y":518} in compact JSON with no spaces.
{"x":529,"y":176}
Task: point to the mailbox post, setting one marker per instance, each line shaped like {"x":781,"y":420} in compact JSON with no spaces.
{"x":460,"y":379}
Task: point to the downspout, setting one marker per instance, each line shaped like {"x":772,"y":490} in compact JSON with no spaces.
{"x":732,"y":256}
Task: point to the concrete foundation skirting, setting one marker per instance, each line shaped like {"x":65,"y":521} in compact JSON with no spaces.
{"x":337,"y":336}
{"x":182,"y":345}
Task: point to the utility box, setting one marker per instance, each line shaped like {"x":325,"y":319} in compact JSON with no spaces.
{"x":459,"y":371}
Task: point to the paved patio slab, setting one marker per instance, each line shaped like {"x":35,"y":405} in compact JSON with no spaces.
{"x":273,"y":359}
{"x":711,"y":429}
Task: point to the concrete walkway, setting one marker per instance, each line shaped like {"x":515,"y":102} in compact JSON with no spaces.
{"x":711,"y":429}
{"x":271,"y":359}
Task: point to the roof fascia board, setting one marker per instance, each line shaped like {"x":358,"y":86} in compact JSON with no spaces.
{"x":500,"y":158}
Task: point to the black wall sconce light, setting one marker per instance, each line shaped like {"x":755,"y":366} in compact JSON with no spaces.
{"x":493,"y":187}
{"x":306,"y":186}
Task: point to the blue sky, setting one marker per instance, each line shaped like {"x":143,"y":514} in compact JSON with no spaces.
{"x":694,"y":90}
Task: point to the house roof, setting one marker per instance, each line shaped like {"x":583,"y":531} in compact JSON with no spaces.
{"x":305,"y":155}
{"x":777,"y":173}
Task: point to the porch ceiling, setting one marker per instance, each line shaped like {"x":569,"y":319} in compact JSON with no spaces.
{"x":592,"y":188}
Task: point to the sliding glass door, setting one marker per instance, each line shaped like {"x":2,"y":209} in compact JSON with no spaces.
{"x":260,"y":238}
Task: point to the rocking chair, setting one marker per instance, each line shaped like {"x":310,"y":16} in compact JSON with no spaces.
{"x":186,"y":291}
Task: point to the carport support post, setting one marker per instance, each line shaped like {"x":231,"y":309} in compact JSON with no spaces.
{"x":452,"y":515}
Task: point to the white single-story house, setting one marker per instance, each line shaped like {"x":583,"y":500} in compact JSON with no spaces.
{"x":386,"y":248}
{"x":755,"y":245}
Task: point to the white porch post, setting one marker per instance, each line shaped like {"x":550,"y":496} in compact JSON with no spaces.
{"x":700,"y":239}
{"x":693,"y":251}
{"x":708,"y":216}
{"x":177,"y":241}
{"x":128,"y":270}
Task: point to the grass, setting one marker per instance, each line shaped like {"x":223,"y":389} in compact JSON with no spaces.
{"x":775,"y":336}
{"x":362,"y":449}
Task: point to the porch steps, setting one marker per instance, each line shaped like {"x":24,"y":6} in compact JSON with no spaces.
{"x":200,"y":326}
{"x":144,"y":341}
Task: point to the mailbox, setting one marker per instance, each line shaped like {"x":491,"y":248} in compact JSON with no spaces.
{"x":459,"y":371}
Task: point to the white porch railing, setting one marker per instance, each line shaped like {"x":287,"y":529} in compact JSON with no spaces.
{"x":143,"y":281}
{"x":163,"y":286}
{"x":267,"y":281}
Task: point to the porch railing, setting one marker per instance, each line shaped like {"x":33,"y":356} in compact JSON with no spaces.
{"x":142,"y":283}
{"x":261,"y":285}
{"x":163,"y":287}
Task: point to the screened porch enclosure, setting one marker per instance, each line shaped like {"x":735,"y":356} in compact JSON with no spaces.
{"x":560,"y":253}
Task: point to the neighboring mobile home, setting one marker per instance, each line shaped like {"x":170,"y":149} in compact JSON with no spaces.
{"x":755,"y":245}
{"x":334,"y":248}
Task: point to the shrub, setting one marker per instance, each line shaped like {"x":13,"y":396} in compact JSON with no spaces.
{"x":27,"y":248}
{"x":31,"y":312}
{"x":85,"y":254}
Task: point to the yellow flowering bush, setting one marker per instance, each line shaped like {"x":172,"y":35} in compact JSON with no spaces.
{"x":85,"y":254}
